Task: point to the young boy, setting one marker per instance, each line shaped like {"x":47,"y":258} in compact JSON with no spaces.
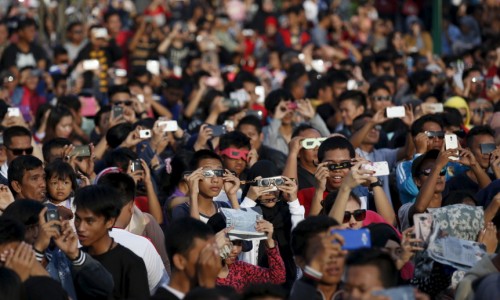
{"x":96,"y":213}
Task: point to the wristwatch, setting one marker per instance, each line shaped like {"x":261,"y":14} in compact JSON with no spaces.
{"x":376,"y":183}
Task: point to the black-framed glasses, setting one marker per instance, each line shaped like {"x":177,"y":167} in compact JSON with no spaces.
{"x":435,"y":134}
{"x":124,"y":102}
{"x":358,"y":214}
{"x":427,"y":172}
{"x":17,"y":152}
{"x":339,"y":166}
{"x":213,"y":173}
{"x":382,"y":98}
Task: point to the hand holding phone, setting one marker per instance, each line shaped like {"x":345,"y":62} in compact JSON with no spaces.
{"x":217,"y":130}
{"x":395,"y":112}
{"x":451,"y":142}
{"x":381,"y":168}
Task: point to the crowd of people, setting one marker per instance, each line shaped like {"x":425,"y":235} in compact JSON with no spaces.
{"x":366,"y":155}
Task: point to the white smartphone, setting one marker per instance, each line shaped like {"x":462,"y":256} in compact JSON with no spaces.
{"x":451,"y":142}
{"x":140,"y":98}
{"x":432,"y":108}
{"x":145,"y":134}
{"x":381,"y":168}
{"x":261,"y":93}
{"x":168,"y":125}
{"x":395,"y":112}
{"x":100,"y":33}
{"x":120,"y":73}
{"x":229,"y":124}
{"x":153,"y":67}
{"x":90,"y":64}
{"x":13,"y":112}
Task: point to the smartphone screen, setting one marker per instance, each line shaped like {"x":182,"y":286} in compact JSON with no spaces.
{"x":354,"y":238}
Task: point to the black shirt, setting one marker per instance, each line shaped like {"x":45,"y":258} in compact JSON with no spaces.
{"x":277,"y":157}
{"x":306,"y":179}
{"x":128,"y":271}
{"x":462,"y":182}
{"x":13,"y":56}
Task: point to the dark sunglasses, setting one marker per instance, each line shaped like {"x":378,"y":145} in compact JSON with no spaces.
{"x":342,"y":165}
{"x":435,"y":134}
{"x":427,"y":172}
{"x":382,"y":98}
{"x":358,"y":214}
{"x":124,"y":102}
{"x":17,"y":152}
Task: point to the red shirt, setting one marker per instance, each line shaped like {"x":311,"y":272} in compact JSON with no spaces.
{"x":242,"y":274}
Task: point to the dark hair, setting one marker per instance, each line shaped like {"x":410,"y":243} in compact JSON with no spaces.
{"x":55,"y":116}
{"x":11,"y":286}
{"x":302,"y":127}
{"x":478,"y":130}
{"x":25,"y":211}
{"x":362,"y":116}
{"x":452,"y":117}
{"x":378,"y":86}
{"x":71,"y":102}
{"x":419,"y":123}
{"x":117,"y":134}
{"x":203,"y":154}
{"x":73,"y":24}
{"x":419,"y":78}
{"x":329,"y":201}
{"x":59,"y":50}
{"x":19,"y":166}
{"x":26,"y":22}
{"x":40,"y":115}
{"x":307,"y":229}
{"x":252,"y":121}
{"x":14,"y":131}
{"x":108,"y":14}
{"x":182,"y":234}
{"x":98,"y":116}
{"x":62,"y":170}
{"x":120,"y":158}
{"x":100,"y":200}
{"x":118,"y":89}
{"x":458,"y":197}
{"x":123,"y":183}
{"x":335,"y":142}
{"x":54,"y":143}
{"x":11,"y":230}
{"x":234,"y":138}
{"x":337,"y":76}
{"x":216,"y":293}
{"x":470,"y":70}
{"x":259,"y":291}
{"x":374,"y":257}
{"x":357,"y":97}
{"x":274,"y":98}
{"x":180,"y":164}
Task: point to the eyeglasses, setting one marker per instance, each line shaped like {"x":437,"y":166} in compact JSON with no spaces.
{"x":382,"y":98}
{"x":358,"y":214}
{"x":342,"y":165}
{"x":213,"y":173}
{"x":272,"y":200}
{"x":235,"y":153}
{"x":312,"y":143}
{"x":481,"y":111}
{"x":435,"y":134}
{"x":427,"y":172}
{"x":18,"y":152}
{"x":477,"y":79}
{"x":124,"y":102}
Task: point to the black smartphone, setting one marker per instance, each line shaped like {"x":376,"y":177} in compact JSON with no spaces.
{"x":217,"y":130}
{"x":53,"y":214}
{"x":117,"y":111}
{"x":136,"y":165}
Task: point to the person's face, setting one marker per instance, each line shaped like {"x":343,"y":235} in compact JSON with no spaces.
{"x":385,"y":68}
{"x":31,"y":80}
{"x":481,"y":112}
{"x":350,"y":111}
{"x":18,"y":143}
{"x":433,"y":142}
{"x":61,"y":88}
{"x":309,"y":156}
{"x":33,"y":186}
{"x":427,"y":165}
{"x":188,"y":262}
{"x":236,"y":165}
{"x":121,"y":99}
{"x":288,"y":118}
{"x":31,"y":233}
{"x":394,"y":249}
{"x":235,"y":251}
{"x":114,"y":24}
{"x":338,"y":88}
{"x":90,"y":227}
{"x":210,"y":187}
{"x":28,"y":34}
{"x":3,"y":154}
{"x":482,"y":159}
{"x":336,"y":177}
{"x":373,"y":135}
{"x":326,"y":94}
{"x":59,"y":188}
{"x":352,"y":205}
{"x":76,"y":35}
{"x":362,"y":281}
{"x":269,"y":200}
{"x":251,"y":132}
{"x":380,"y":99}
{"x":64,"y":127}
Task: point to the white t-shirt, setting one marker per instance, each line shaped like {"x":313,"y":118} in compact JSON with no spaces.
{"x":143,"y":248}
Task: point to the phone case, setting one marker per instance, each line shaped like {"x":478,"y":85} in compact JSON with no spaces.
{"x":381,"y":168}
{"x":423,"y":226}
{"x":395,"y":112}
{"x":354,"y":238}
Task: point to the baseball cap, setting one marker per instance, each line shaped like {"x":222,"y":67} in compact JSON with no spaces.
{"x":417,"y":162}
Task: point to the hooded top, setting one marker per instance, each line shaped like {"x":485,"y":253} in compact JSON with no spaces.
{"x":458,"y":103}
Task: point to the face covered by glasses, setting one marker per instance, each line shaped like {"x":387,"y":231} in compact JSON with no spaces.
{"x":435,"y":134}
{"x":382,"y":98}
{"x":19,"y":152}
{"x":271,"y":181}
{"x":359,"y":215}
{"x":234,"y":153}
{"x":427,"y":172}
{"x":312,"y":143}
{"x":339,"y":166}
{"x":124,"y":102}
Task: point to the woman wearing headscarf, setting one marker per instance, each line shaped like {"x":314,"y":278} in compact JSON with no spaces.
{"x":460,"y":104}
{"x":280,"y":207}
{"x":470,"y":35}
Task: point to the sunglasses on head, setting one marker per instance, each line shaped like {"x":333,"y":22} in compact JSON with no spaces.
{"x":124,"y":102}
{"x":342,"y":165}
{"x":382,"y":98}
{"x":235,"y":153}
{"x":312,"y":143}
{"x":435,"y":134}
{"x":358,"y":214}
{"x":427,"y":172}
{"x":27,"y":151}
